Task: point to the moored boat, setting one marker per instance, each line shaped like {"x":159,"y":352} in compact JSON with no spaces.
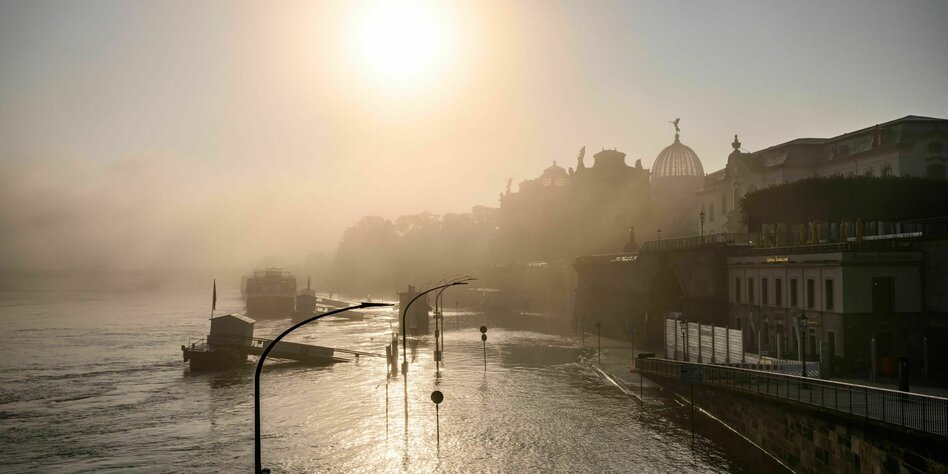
{"x":271,"y":294}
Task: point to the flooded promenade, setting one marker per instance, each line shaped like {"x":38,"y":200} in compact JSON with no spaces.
{"x":94,"y":381}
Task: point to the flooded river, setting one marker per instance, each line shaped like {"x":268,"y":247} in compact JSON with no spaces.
{"x":94,"y":381}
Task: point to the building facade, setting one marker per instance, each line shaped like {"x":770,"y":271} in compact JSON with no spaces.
{"x":909,"y":146}
{"x":840,"y":300}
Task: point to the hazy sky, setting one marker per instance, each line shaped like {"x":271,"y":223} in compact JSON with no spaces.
{"x":180,"y":134}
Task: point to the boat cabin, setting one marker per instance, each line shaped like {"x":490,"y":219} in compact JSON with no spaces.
{"x":231,"y":329}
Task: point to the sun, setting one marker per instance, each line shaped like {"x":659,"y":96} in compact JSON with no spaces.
{"x":400,"y":40}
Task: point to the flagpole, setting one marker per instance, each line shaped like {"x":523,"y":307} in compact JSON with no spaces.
{"x":214,"y":299}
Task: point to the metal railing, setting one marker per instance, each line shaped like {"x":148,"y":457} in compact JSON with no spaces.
{"x":725,"y":239}
{"x":907,"y":410}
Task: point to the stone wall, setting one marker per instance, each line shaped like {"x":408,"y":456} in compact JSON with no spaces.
{"x":808,"y":439}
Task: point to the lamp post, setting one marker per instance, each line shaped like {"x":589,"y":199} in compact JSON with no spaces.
{"x":405,"y":312}
{"x":440,"y":312}
{"x":701,"y":216}
{"x":263,"y":357}
{"x":684,"y":338}
{"x":802,"y":321}
{"x":659,"y":236}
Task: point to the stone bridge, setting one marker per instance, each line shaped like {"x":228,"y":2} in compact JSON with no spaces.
{"x":633,"y":292}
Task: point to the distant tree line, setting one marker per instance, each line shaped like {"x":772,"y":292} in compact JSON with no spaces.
{"x":838,"y":198}
{"x":382,"y":255}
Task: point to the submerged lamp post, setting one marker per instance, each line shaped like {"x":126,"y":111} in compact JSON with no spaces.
{"x":263,"y":357}
{"x":439,"y":303}
{"x":484,"y":340}
{"x":405,"y":313}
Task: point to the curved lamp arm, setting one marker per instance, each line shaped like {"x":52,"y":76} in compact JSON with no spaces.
{"x":460,"y":279}
{"x":263,"y":356}
{"x":405,"y":312}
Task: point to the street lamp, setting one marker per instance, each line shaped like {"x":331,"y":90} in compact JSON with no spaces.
{"x":802,"y":321}
{"x":702,"y":223}
{"x":440,"y":312}
{"x":263,"y":356}
{"x":405,"y":312}
{"x":683,"y":324}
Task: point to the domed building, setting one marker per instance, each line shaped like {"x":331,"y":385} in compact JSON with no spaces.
{"x":677,"y":161}
{"x":675,"y":177}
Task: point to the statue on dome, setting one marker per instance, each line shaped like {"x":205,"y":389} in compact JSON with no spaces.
{"x":509,"y":181}
{"x":579,"y":159}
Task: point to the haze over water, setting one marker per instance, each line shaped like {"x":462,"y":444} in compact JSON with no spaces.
{"x":172,"y":137}
{"x":93,"y":381}
{"x":177,"y":141}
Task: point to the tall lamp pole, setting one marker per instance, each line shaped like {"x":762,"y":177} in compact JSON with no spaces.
{"x":263,"y":357}
{"x":440,"y":312}
{"x":684,"y":339}
{"x":405,"y":312}
{"x":701,"y":216}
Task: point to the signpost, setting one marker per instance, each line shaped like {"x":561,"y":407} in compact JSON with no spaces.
{"x":484,"y":340}
{"x":437,"y":397}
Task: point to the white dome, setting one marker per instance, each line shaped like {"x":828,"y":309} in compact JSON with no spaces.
{"x":677,"y":160}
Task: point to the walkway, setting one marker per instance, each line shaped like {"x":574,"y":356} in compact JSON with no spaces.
{"x":907,"y":410}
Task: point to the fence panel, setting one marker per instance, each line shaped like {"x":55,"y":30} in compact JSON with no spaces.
{"x":715,"y":344}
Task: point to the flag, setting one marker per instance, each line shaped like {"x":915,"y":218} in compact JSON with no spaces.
{"x":214,"y":298}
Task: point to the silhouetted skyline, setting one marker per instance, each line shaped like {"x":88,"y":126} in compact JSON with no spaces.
{"x":173,"y":135}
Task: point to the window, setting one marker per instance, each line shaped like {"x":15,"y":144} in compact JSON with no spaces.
{"x":793,"y":292}
{"x":810,"y":300}
{"x":750,"y":290}
{"x":828,"y":295}
{"x":764,"y":296}
{"x":737,"y":290}
{"x":778,"y":292}
{"x":883,"y":296}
